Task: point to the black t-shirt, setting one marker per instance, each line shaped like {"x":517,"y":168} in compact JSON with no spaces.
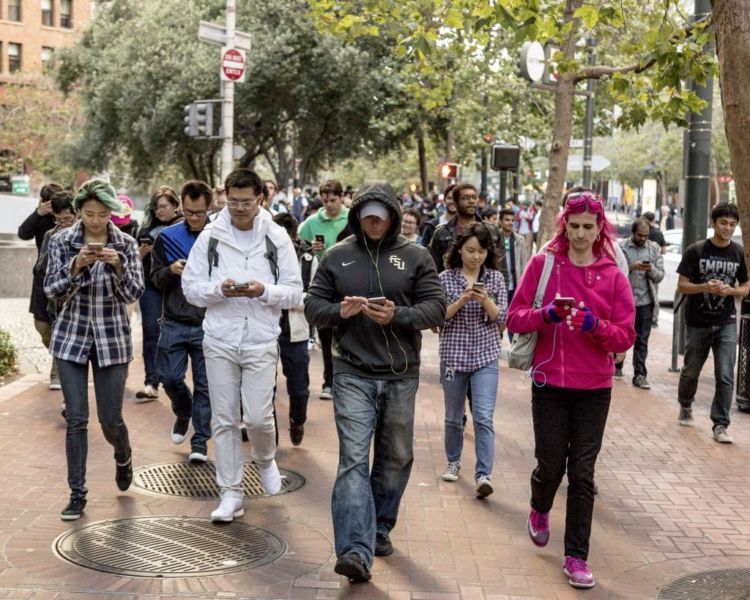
{"x":655,"y":235}
{"x":702,"y":262}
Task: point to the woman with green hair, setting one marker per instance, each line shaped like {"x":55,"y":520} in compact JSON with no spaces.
{"x":94,"y":272}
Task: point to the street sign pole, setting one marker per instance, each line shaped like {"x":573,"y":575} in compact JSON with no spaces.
{"x":227,"y":94}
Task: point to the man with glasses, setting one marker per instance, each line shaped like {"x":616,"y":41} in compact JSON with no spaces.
{"x":181,"y":335}
{"x":322,"y":230}
{"x":243,"y":270}
{"x":467,"y":200}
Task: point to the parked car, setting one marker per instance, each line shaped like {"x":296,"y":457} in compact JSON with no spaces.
{"x":672,"y":258}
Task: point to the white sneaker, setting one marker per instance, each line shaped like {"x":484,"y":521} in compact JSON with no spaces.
{"x":451,"y":472}
{"x":229,"y":508}
{"x":484,"y":487}
{"x":271,"y":478}
{"x":147,"y":394}
{"x":198,"y":457}
{"x":721,"y":435}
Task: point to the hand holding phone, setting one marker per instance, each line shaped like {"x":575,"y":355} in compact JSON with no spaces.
{"x":319,"y":244}
{"x":564,"y":302}
{"x":379,"y":300}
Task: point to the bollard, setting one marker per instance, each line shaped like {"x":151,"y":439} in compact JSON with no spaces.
{"x":742,"y":392}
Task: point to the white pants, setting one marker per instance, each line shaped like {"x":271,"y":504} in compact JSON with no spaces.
{"x":233,"y":377}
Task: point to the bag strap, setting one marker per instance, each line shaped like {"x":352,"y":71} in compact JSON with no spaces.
{"x":549,"y":260}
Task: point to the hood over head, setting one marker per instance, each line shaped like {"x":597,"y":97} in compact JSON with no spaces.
{"x":382,"y":193}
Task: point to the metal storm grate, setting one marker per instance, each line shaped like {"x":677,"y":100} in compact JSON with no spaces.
{"x":189,"y":480}
{"x":169,"y":547}
{"x":725,"y":584}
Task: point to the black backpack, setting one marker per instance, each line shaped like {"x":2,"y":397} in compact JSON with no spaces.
{"x":271,"y":254}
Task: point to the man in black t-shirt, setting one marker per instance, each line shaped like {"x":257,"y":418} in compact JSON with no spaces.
{"x":707,"y":275}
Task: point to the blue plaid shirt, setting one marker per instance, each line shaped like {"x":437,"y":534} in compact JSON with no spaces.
{"x":469,"y":340}
{"x":93,"y":305}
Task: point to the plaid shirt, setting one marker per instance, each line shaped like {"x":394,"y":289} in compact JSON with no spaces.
{"x":469,"y":340}
{"x":93,"y":306}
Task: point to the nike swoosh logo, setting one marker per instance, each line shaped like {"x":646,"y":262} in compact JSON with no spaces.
{"x":343,"y":264}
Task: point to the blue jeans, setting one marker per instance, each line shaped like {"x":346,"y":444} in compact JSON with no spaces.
{"x":295,"y":362}
{"x":643,"y":321}
{"x":177,"y":342}
{"x":109,"y":387}
{"x":150,"y":303}
{"x":483,"y":383}
{"x":722,"y":339}
{"x":365,"y":503}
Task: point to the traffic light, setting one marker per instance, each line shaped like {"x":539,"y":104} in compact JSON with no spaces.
{"x":449,"y":171}
{"x":204,"y":118}
{"x":191,"y":122}
{"x":199,"y":119}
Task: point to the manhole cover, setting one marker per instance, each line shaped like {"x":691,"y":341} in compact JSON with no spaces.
{"x":725,"y":584}
{"x":169,"y":547}
{"x":190,"y":480}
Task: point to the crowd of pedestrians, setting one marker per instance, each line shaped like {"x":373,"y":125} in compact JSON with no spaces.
{"x":238,"y":279}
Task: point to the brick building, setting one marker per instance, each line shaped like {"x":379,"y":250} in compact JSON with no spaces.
{"x":31,"y":30}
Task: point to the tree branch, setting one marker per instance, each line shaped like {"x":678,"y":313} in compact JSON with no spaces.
{"x":599,"y":71}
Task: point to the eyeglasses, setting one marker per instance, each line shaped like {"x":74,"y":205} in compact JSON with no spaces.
{"x":241,"y":203}
{"x":194,"y":213}
{"x":468,"y":198}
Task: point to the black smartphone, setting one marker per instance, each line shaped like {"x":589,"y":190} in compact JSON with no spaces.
{"x":646,"y":262}
{"x":145,"y":241}
{"x":320,"y":238}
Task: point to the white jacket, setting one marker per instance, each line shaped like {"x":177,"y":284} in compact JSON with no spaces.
{"x":243,"y":323}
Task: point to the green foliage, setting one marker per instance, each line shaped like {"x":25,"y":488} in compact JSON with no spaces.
{"x":7,"y":354}
{"x":307,"y":98}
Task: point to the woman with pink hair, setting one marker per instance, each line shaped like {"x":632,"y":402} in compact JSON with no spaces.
{"x":587,"y":313}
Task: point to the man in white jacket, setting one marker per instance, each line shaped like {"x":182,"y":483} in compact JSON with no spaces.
{"x":243,"y":269}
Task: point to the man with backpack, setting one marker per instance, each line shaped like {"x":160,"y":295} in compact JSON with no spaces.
{"x":295,"y":331}
{"x":244,"y":271}
{"x":181,"y":335}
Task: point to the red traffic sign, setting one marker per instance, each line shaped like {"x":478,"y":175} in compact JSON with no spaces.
{"x":232,"y":65}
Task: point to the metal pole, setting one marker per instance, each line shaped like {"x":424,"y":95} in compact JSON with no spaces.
{"x":698,"y":160}
{"x":503,"y":182}
{"x":483,"y":186}
{"x":588,"y":133}
{"x":227,"y":106}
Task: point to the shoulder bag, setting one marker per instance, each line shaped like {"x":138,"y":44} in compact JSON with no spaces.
{"x":521,"y":353}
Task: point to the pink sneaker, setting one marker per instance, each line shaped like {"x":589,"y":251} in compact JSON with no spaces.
{"x":579,"y":574}
{"x":538,"y":526}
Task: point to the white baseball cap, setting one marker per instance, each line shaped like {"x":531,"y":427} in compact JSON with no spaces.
{"x":374,"y":208}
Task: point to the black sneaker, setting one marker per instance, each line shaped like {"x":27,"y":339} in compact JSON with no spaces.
{"x":124,"y":473}
{"x":353,"y":568}
{"x":296,"y":433}
{"x":179,"y":430}
{"x":383,"y":546}
{"x":74,"y":509}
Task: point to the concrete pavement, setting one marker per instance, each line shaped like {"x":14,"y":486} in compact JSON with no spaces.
{"x":671,"y":501}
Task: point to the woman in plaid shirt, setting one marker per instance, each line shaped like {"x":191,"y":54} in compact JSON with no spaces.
{"x":470,"y":347}
{"x":94,"y":272}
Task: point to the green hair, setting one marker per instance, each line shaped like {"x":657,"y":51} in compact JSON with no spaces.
{"x":97,"y":189}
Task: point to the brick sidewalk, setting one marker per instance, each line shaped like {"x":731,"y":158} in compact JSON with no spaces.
{"x":671,"y":501}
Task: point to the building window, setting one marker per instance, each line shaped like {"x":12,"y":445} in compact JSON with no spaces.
{"x":47,"y":54}
{"x":48,"y":18}
{"x":14,"y":58}
{"x":14,"y":10}
{"x":66,"y":14}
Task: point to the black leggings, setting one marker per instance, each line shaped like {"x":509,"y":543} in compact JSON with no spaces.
{"x":568,"y":431}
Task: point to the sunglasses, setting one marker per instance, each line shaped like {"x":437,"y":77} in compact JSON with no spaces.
{"x":584,"y":201}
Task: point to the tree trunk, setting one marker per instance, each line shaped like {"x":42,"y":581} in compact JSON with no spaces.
{"x":732,"y":22}
{"x":561,"y":133}
{"x":422,"y":154}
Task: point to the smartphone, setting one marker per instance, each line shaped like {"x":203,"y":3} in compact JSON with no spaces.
{"x":94,"y":246}
{"x":240,"y":286}
{"x":379,"y":300}
{"x":563,"y":302}
{"x":646,"y":262}
{"x":145,"y":241}
{"x":478,"y":286}
{"x":320,"y":238}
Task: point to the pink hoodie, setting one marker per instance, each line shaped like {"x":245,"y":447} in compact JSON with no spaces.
{"x":573,"y":359}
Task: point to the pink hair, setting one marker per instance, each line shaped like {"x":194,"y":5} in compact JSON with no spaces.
{"x":604,"y":244}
